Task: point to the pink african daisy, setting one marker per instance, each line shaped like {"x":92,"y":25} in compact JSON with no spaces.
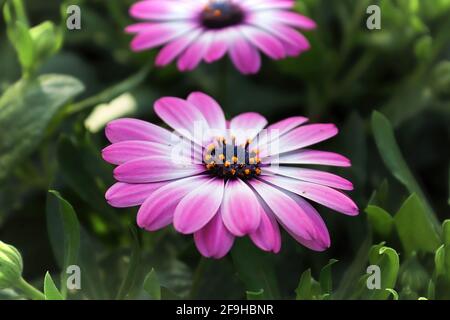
{"x":196,"y":30}
{"x":219,"y":179}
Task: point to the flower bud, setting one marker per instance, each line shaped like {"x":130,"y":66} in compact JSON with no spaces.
{"x":11,"y":265}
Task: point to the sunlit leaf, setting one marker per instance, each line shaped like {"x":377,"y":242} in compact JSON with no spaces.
{"x":414,"y":227}
{"x":381,"y":221}
{"x":50,"y":290}
{"x":26,"y":110}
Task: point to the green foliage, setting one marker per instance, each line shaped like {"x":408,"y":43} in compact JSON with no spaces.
{"x":26,"y":110}
{"x":50,"y":290}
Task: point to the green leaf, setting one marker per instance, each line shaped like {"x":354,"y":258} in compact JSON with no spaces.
{"x":414,"y":228}
{"x":46,"y":40}
{"x":50,"y":290}
{"x":393,"y":159}
{"x":380,"y":221}
{"x":61,"y":215}
{"x":388,"y":261}
{"x":393,"y":293}
{"x":26,"y":109}
{"x":308,"y":288}
{"x":442,"y":255}
{"x":255,"y":295}
{"x":151,"y":285}
{"x":380,"y":196}
{"x":255,"y":269}
{"x":325,"y":278}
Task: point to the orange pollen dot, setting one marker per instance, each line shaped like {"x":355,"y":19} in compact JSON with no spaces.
{"x":227,"y":164}
{"x":222,"y":157}
{"x":233,"y":172}
{"x":234,"y":159}
{"x":251,"y":160}
{"x":247,"y":171}
{"x":258,"y":171}
{"x":217,"y":13}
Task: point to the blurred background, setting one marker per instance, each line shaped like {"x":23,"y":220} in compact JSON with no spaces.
{"x":387,"y":90}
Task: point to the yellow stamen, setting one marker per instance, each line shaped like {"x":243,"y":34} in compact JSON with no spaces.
{"x":227,"y":164}
{"x":258,"y":171}
{"x":234,"y":159}
{"x":247,"y":171}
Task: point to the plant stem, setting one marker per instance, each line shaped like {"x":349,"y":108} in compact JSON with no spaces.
{"x":30,"y":291}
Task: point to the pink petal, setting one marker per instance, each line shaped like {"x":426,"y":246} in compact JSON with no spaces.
{"x":134,"y":129}
{"x":310,"y":157}
{"x":301,"y":137}
{"x":214,"y":240}
{"x":122,"y":195}
{"x":264,"y":41}
{"x":286,"y":125}
{"x":210,"y":109}
{"x":198,"y":207}
{"x":193,"y":55}
{"x":323,"y":195}
{"x":247,"y":126}
{"x":160,"y":10}
{"x":294,"y":19}
{"x":267,"y":237}
{"x":268,"y":4}
{"x":157,"y":211}
{"x":219,"y":45}
{"x":310,"y":175}
{"x":285,"y":209}
{"x":173,"y":49}
{"x":121,"y":152}
{"x":159,"y":34}
{"x":244,"y":56}
{"x":321,"y":240}
{"x":182,"y":116}
{"x":154,"y":169}
{"x":241,"y":211}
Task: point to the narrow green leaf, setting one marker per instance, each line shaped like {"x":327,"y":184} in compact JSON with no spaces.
{"x":255,"y":295}
{"x":393,"y":159}
{"x":61,"y":215}
{"x":393,"y":293}
{"x":325,"y":278}
{"x":380,"y":221}
{"x":26,"y":109}
{"x":151,"y":285}
{"x":50,"y":290}
{"x":255,"y":269}
{"x":414,"y":228}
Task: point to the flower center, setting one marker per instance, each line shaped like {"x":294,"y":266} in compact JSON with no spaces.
{"x":225,"y":159}
{"x":220,"y":14}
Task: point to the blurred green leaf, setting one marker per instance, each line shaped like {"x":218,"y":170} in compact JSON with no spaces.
{"x":387,"y":260}
{"x":414,"y":227}
{"x":151,"y":285}
{"x":393,"y":159}
{"x":26,"y":110}
{"x":255,"y":269}
{"x":46,"y":41}
{"x":69,"y":247}
{"x":50,"y":290}
{"x":325,"y":278}
{"x":308,"y":288}
{"x":442,"y":255}
{"x":258,"y":295}
{"x":380,"y":220}
{"x":393,"y":293}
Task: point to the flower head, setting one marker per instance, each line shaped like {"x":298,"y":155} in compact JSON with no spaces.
{"x":219,"y":179}
{"x":196,"y":30}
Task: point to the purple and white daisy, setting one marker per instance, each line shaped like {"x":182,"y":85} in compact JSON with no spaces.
{"x":196,"y":30}
{"x":219,"y":179}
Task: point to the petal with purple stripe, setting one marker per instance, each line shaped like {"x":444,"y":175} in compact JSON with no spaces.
{"x":214,"y":240}
{"x":157,"y":211}
{"x":121,"y":152}
{"x":123,"y":195}
{"x":198,"y":207}
{"x":241,"y":211}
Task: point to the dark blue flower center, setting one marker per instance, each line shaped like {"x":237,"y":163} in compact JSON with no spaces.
{"x":227,"y":160}
{"x":220,"y":14}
